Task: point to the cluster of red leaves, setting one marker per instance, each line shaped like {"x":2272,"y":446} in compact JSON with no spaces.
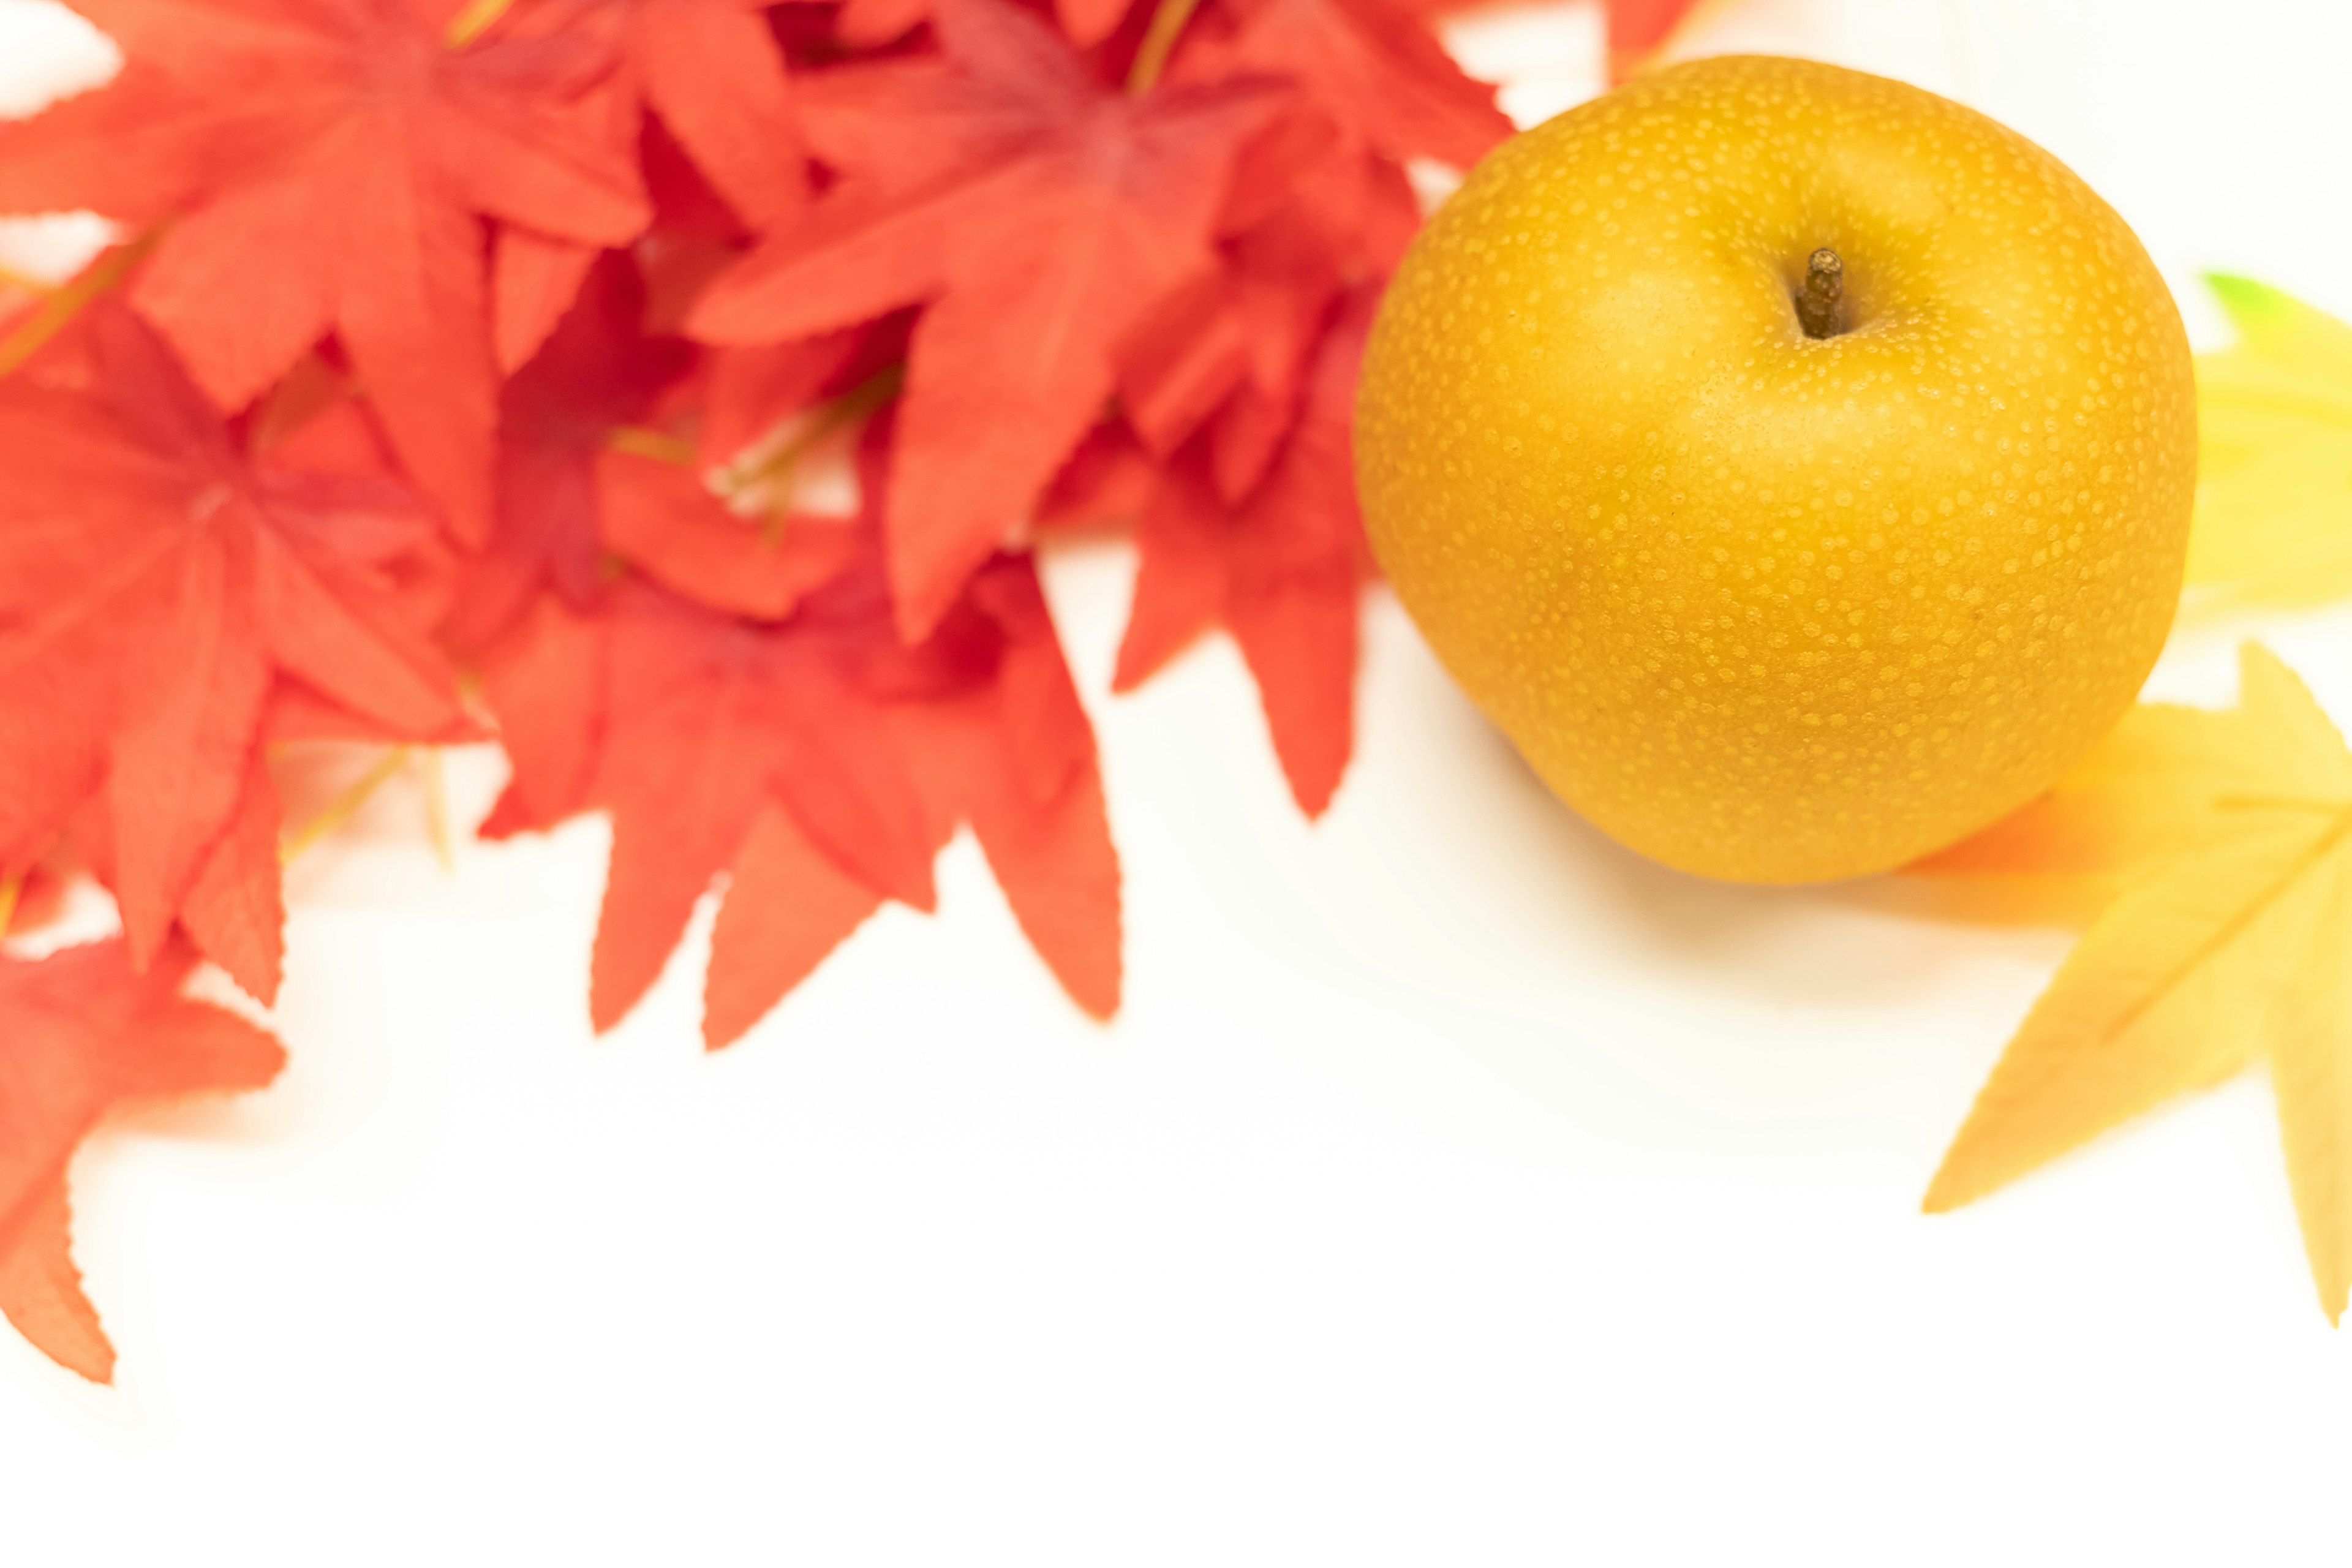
{"x":486,"y":343}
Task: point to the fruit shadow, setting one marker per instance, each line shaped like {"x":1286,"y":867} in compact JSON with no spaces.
{"x":1866,"y":942}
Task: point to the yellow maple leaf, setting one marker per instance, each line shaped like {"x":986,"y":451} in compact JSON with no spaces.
{"x":2229,"y":836}
{"x":2145,"y":791}
{"x":2273,"y":521}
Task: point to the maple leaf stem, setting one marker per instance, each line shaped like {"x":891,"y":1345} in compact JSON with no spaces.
{"x":2235,"y":926}
{"x":640,"y":442}
{"x":343,"y":808}
{"x":64,"y":304}
{"x":1159,"y":42}
{"x":844,"y":411}
{"x":436,"y":808}
{"x":472,"y":22}
{"x":10,"y":891}
{"x":24,"y":282}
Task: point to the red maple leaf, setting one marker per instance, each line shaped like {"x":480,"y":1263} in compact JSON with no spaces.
{"x":990,"y":723}
{"x":575,"y":499}
{"x":705,"y":720}
{"x":545,"y":682}
{"x":234,"y":910}
{"x":1374,"y":68}
{"x":661,"y":517}
{"x":599,"y":370}
{"x":822,"y":764}
{"x":317,"y":166}
{"x":712,"y":74}
{"x":234,"y":907}
{"x":1232,"y":352}
{"x":870,"y":24}
{"x":82,"y":1032}
{"x":1038,"y":214}
{"x":1009,"y":750}
{"x":691,"y":727}
{"x":153,"y":584}
{"x":711,"y":70}
{"x":1281,"y":572}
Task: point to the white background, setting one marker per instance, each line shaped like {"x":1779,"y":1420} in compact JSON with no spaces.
{"x":1455,"y":1188}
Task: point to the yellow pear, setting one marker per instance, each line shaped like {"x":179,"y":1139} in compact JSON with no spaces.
{"x":1795,"y":464}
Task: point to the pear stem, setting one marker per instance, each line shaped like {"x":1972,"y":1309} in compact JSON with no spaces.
{"x":1817,"y":302}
